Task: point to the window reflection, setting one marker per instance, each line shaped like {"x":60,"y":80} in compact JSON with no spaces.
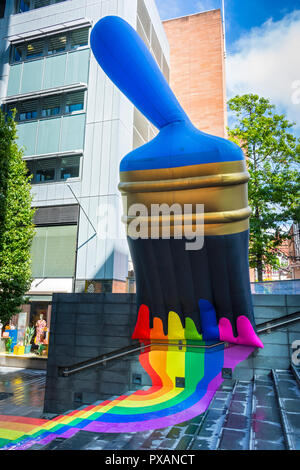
{"x":53,"y":169}
{"x":45,"y":170}
{"x":69,"y":167}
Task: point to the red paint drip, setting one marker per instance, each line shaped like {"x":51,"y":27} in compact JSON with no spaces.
{"x":142,"y":327}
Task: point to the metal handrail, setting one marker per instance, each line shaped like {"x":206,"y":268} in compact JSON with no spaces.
{"x":66,"y":371}
{"x":267,"y":326}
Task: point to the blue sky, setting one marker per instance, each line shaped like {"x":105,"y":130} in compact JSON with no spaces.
{"x":240,"y":15}
{"x":263,"y":47}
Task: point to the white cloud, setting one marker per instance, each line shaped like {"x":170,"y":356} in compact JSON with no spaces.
{"x":266,"y":61}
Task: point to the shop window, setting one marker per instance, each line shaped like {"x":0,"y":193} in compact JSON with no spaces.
{"x":39,"y":319}
{"x":53,"y":251}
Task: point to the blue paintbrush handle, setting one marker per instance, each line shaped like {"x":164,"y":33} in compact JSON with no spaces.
{"x":125,"y":58}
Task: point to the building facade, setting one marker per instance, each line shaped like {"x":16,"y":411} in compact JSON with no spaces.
{"x":74,"y":126}
{"x":197,"y":65}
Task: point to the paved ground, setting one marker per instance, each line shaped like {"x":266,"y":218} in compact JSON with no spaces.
{"x":22,"y":392}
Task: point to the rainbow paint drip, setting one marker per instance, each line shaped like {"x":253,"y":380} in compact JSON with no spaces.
{"x":163,"y":404}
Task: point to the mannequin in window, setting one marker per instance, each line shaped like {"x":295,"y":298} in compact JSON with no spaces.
{"x":40,"y":327}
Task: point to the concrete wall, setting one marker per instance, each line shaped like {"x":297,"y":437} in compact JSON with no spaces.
{"x":84,"y":326}
{"x":87,"y":325}
{"x":277,"y":344}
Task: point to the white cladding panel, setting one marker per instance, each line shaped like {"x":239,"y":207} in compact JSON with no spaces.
{"x":108,"y":135}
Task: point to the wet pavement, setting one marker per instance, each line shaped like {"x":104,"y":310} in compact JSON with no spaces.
{"x":22,"y":392}
{"x":242,"y":415}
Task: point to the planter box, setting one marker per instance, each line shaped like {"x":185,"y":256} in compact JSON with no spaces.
{"x":19,"y":350}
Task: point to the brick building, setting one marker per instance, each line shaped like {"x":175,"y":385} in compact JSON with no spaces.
{"x":197,"y":68}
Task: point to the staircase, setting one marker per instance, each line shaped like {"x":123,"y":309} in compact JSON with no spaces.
{"x":263,"y":414}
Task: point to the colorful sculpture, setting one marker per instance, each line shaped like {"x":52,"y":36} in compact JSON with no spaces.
{"x":196,"y":297}
{"x":208,"y":288}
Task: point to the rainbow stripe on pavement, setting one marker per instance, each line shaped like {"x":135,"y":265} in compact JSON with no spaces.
{"x":163,"y":404}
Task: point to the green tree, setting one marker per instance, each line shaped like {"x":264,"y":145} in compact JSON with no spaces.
{"x":16,"y":226}
{"x":273,"y":155}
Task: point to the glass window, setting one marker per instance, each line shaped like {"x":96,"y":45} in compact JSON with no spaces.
{"x":17,"y":53}
{"x":57,"y":44}
{"x":2,"y":8}
{"x":74,"y":102}
{"x":23,"y":5}
{"x":55,"y":105}
{"x":41,"y":3}
{"x":79,"y":38}
{"x":53,"y":251}
{"x":10,"y":109}
{"x":30,"y":167}
{"x":51,"y":106}
{"x":27,"y":110}
{"x":35,"y":48}
{"x":69,"y":167}
{"x":53,"y":169}
{"x":45,"y":170}
{"x":51,"y":45}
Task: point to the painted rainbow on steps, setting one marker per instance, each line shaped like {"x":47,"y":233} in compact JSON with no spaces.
{"x":162,"y":405}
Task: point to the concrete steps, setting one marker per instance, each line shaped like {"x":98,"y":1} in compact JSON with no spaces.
{"x":263,"y":414}
{"x":288,"y":396}
{"x":266,"y":427}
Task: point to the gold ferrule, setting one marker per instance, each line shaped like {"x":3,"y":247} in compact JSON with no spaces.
{"x":220,"y":187}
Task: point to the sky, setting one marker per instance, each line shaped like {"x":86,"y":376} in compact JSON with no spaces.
{"x":262,"y":44}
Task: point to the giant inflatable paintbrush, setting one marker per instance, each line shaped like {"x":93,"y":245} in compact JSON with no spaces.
{"x":205,"y":292}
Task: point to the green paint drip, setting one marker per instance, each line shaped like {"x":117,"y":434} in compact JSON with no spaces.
{"x":190,"y":331}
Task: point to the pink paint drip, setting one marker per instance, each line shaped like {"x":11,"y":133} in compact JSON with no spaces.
{"x":246,"y":334}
